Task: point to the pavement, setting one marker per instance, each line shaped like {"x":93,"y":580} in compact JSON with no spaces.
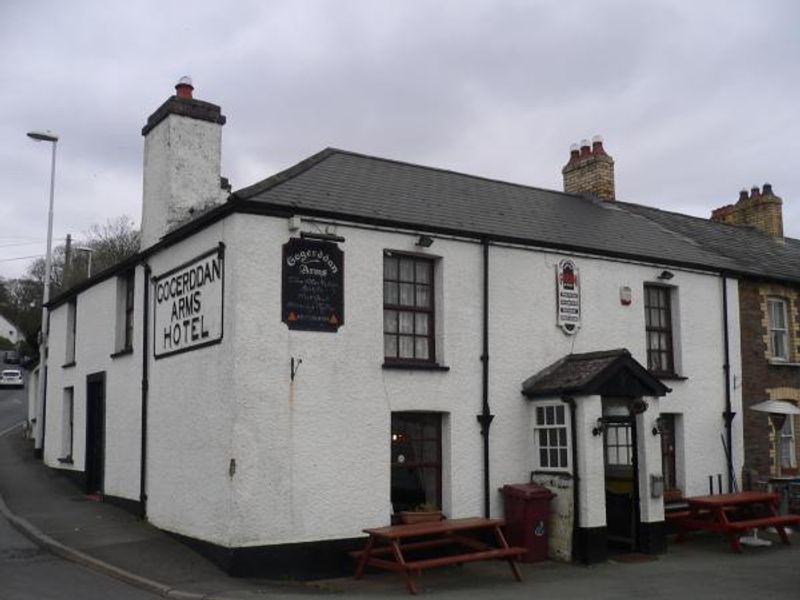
{"x":54,"y":513}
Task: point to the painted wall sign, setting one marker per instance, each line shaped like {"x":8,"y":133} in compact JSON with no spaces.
{"x":568,"y":297}
{"x":313,"y":285}
{"x":188,"y":305}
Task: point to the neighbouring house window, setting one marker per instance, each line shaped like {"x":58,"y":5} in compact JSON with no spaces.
{"x":658,"y":324}
{"x":408,"y":317}
{"x":125,"y":295}
{"x":551,"y":437}
{"x":778,"y":329}
{"x":416,"y":451}
{"x":671,"y":490}
{"x":68,"y":414}
{"x":788,"y":455}
{"x":72,"y":318}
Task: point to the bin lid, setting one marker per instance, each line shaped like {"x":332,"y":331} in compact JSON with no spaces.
{"x":527,"y":491}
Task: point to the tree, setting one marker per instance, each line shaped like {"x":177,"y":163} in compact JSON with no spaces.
{"x":21,"y":299}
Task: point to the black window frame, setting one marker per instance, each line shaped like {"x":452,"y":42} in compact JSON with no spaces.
{"x":657,"y":328}
{"x":415,"y":466}
{"x":398,"y":307}
{"x":127,"y":323}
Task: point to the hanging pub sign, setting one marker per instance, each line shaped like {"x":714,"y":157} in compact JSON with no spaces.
{"x":313,"y":285}
{"x":187,"y":300}
{"x":568,"y":297}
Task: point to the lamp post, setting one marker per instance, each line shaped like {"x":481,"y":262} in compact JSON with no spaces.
{"x":89,"y":260}
{"x":45,"y":136}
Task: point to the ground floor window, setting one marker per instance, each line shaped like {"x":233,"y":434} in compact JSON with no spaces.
{"x":416,"y":445}
{"x":67,"y":428}
{"x":551,"y":437}
{"x":788,"y":455}
{"x":668,"y":469}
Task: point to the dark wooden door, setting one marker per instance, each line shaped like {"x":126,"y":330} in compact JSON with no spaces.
{"x":621,"y":468}
{"x":95,"y":432}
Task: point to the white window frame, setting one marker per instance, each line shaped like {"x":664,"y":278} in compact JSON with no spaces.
{"x":777,"y":330}
{"x":560,"y":421}
{"x":67,"y":423}
{"x":786,"y":435}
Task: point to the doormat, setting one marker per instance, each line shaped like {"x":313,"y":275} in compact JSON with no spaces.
{"x":633,"y":557}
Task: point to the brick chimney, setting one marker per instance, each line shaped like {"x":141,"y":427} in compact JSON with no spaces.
{"x":589,"y":170}
{"x":761,"y":209}
{"x":182,"y":156}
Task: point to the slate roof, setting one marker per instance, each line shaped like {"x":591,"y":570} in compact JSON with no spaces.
{"x":755,"y":253}
{"x":585,"y":373}
{"x":363,"y":188}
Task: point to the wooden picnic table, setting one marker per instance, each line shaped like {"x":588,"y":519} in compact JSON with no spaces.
{"x":723,"y":513}
{"x":396,"y":540}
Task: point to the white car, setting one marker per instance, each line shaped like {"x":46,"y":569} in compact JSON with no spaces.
{"x":11,"y":378}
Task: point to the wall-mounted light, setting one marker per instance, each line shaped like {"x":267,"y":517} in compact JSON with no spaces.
{"x":658,"y":426}
{"x":599,"y":427}
{"x":425,"y":241}
{"x":666,"y":275}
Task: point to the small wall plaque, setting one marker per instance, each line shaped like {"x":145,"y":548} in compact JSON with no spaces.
{"x":568,"y":297}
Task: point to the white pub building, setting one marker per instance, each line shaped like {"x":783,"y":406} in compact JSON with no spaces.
{"x":285,"y":365}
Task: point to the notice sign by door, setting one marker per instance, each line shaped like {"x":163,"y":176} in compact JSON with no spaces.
{"x":313,"y":285}
{"x":568,"y":297}
{"x":188,"y":305}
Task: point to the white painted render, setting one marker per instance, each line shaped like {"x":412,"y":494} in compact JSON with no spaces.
{"x":96,"y":341}
{"x":181,"y":173}
{"x":312,"y":456}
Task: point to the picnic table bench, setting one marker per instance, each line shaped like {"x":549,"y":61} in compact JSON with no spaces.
{"x":722,"y":514}
{"x":386,"y":546}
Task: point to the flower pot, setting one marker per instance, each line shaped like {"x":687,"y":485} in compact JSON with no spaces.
{"x":408,"y":517}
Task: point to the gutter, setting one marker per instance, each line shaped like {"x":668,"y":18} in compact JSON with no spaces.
{"x":728,"y":415}
{"x":486,"y":416}
{"x":145,"y":391}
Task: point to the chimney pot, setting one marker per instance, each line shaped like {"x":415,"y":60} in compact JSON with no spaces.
{"x":586,"y":149}
{"x":184,"y":87}
{"x":597,"y":145}
{"x":743,"y":195}
{"x":767,"y":189}
{"x":755,"y":192}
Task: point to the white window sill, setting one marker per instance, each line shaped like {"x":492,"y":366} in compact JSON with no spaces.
{"x":782,"y":363}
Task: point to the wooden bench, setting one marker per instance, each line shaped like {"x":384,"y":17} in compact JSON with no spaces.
{"x":720,"y":514}
{"x":386,"y":547}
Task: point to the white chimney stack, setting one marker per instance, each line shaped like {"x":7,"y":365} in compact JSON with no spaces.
{"x":182,"y":156}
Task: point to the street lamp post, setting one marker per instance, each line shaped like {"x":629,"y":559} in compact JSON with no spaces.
{"x":89,"y":260}
{"x":47,"y":136}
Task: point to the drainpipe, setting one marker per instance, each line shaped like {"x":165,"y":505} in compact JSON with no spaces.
{"x":485,"y":418}
{"x":576,"y":515}
{"x":145,"y":389}
{"x":728,"y":415}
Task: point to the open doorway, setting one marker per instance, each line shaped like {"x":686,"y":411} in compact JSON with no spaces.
{"x":95,"y":432}
{"x":621,"y":483}
{"x":416,"y":455}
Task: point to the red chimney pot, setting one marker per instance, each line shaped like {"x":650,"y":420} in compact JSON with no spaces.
{"x":184,"y":87}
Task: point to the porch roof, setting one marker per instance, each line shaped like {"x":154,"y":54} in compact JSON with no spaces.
{"x":609,"y":372}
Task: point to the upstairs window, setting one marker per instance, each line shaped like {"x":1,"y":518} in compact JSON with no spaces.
{"x":408,"y":326}
{"x":125,"y":295}
{"x":658,"y":324}
{"x":72,"y":318}
{"x":778,"y":329}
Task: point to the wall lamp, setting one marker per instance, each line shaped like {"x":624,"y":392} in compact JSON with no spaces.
{"x":658,"y":426}
{"x":599,"y":427}
{"x":666,"y":275}
{"x":425,"y":241}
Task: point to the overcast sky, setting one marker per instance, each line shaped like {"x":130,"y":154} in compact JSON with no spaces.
{"x":695,"y":100}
